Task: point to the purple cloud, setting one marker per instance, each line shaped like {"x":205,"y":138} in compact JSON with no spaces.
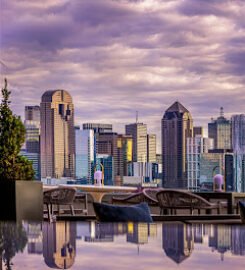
{"x":116,"y":57}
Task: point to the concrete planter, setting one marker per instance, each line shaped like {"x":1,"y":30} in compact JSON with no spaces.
{"x":21,"y":200}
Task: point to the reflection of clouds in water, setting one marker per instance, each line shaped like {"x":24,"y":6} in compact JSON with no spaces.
{"x":122,"y":255}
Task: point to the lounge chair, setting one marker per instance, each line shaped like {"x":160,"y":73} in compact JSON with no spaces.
{"x":146,"y":195}
{"x":150,"y":195}
{"x":171,"y":200}
{"x":134,"y":198}
{"x":59,"y":196}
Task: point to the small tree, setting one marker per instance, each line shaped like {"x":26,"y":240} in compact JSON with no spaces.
{"x":13,"y":166}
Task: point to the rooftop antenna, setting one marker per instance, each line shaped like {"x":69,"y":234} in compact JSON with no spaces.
{"x":221,"y":112}
{"x":136,"y":117}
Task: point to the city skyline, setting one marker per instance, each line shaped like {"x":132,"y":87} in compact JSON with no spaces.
{"x":119,"y":57}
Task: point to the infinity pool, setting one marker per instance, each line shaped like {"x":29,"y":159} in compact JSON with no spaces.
{"x":103,"y":246}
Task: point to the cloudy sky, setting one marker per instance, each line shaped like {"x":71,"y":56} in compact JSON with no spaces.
{"x":116,"y":57}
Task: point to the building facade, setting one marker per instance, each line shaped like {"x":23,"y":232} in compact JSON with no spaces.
{"x":177,"y":126}
{"x":106,"y":162}
{"x":151,"y":147}
{"x":31,"y":147}
{"x":238,"y":146}
{"x":195,"y":147}
{"x":138,"y":131}
{"x":57,"y":135}
{"x":220,"y":131}
{"x":124,"y":156}
{"x":106,"y":144}
{"x":98,"y":127}
{"x":197,"y":131}
{"x":84,"y":166}
{"x":32,"y":113}
{"x":210,"y":165}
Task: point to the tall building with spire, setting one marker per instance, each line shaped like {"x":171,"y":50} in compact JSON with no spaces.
{"x":220,"y":131}
{"x":177,"y":126}
{"x":57,"y":134}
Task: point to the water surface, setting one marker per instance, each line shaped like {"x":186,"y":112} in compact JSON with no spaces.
{"x":92,"y":245}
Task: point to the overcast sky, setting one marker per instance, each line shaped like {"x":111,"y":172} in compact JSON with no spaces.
{"x":116,"y":57}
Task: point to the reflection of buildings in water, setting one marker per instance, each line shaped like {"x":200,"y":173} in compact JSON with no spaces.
{"x":220,"y":239}
{"x":207,"y":229}
{"x":59,"y":244}
{"x":100,"y":232}
{"x":138,"y":232}
{"x":223,"y":237}
{"x":152,"y":230}
{"x":238,"y":240}
{"x":177,"y":241}
{"x":111,"y":228}
{"x":35,"y":238}
{"x":198,"y":233}
{"x":104,"y":232}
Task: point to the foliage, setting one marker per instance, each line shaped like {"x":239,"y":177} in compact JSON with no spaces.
{"x":12,"y":135}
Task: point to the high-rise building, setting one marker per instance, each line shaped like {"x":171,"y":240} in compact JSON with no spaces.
{"x":32,"y":137}
{"x":238,"y":146}
{"x":84,"y":154}
{"x":107,"y":162}
{"x":32,"y":113}
{"x":220,"y":131}
{"x":211,"y":163}
{"x":35,"y":159}
{"x":124,"y":156}
{"x":138,"y":131}
{"x":106,"y":144}
{"x":151,"y":148}
{"x":197,"y":131}
{"x":98,"y":127}
{"x":238,"y":133}
{"x":31,"y":148}
{"x":195,"y":147}
{"x":177,"y":126}
{"x":142,"y":170}
{"x":57,"y":135}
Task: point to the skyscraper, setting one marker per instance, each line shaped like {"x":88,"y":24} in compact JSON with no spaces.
{"x":106,"y":144}
{"x":238,"y":146}
{"x":124,"y":156}
{"x":31,"y":148}
{"x":98,"y":127}
{"x":151,"y":148}
{"x":85,"y":154}
{"x":138,"y":131}
{"x":177,"y":126}
{"x":195,"y":147}
{"x":32,"y":113}
{"x":107,"y":162}
{"x":197,"y":131}
{"x":238,"y":133}
{"x":57,"y":134}
{"x":220,"y":131}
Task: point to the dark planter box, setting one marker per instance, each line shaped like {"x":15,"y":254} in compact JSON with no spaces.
{"x":21,"y":200}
